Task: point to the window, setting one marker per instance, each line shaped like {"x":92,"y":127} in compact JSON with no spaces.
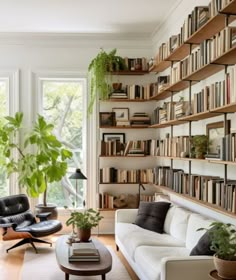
{"x":63,"y":103}
{"x":4,"y":110}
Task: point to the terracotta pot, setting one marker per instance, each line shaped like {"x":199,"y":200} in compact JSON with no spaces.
{"x":52,"y":208}
{"x":84,"y":234}
{"x":226,"y":269}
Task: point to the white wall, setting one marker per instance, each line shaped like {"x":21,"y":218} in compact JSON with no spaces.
{"x":168,"y":28}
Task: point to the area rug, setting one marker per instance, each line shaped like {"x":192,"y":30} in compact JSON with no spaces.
{"x":43,"y":266}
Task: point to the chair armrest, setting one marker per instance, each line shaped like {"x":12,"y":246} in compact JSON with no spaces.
{"x":8,"y":225}
{"x":125,"y":215}
{"x":43,"y":216}
{"x":192,"y":267}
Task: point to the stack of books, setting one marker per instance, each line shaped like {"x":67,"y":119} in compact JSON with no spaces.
{"x":83,"y":252}
{"x":140,"y":119}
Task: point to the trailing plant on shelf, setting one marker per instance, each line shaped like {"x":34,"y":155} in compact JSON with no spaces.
{"x":223,"y":242}
{"x":99,"y":70}
{"x":39,"y":161}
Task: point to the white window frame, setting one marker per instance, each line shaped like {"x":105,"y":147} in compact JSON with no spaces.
{"x":37,"y":76}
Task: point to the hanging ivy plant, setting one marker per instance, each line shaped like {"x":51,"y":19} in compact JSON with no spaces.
{"x":100,"y":70}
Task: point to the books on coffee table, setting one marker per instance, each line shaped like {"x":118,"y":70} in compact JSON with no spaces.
{"x":83,"y":251}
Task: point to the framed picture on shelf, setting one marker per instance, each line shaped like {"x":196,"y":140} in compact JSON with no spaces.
{"x":215,"y":133}
{"x":113,"y":137}
{"x":121,"y":114}
{"x":107,"y":119}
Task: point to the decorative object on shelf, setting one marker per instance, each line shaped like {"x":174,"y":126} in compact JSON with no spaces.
{"x":114,"y":137}
{"x":200,"y":146}
{"x":223,"y":243}
{"x":216,"y":132}
{"x":100,"y":80}
{"x":84,"y":221}
{"x":121,"y":114}
{"x":78,"y":175}
{"x":107,"y":119}
{"x":46,"y":163}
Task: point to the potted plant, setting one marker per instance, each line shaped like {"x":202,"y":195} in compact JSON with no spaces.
{"x":84,"y":221}
{"x":200,"y":145}
{"x":39,"y":161}
{"x":223,"y":242}
{"x":99,"y":71}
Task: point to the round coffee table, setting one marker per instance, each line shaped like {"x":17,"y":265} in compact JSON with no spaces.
{"x":82,"y":268}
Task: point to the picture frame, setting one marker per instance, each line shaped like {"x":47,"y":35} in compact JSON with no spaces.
{"x":106,"y":119}
{"x":121,"y":114}
{"x":215,"y":132}
{"x":113,"y":136}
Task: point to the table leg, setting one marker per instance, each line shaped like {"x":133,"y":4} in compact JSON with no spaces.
{"x":103,"y":276}
{"x":66,"y":276}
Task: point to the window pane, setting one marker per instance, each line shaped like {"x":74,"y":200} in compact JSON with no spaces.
{"x":63,"y":106}
{"x":4,"y":110}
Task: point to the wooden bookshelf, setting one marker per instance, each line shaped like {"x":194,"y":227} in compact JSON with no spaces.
{"x":200,"y":202}
{"x":125,"y":100}
{"x":125,"y":127}
{"x":130,"y":73}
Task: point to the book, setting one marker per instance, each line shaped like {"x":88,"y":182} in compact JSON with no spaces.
{"x":83,"y":251}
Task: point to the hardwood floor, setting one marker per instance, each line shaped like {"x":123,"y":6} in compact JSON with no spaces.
{"x":11,"y":263}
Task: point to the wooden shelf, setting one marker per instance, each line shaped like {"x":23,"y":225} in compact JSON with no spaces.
{"x":169,"y":123}
{"x":125,"y":183}
{"x":123,"y":156}
{"x":124,"y":127}
{"x":125,"y":100}
{"x":203,"y":203}
{"x":161,"y":66}
{"x":129,"y":72}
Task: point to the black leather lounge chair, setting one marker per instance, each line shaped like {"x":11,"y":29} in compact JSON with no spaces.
{"x":18,"y":222}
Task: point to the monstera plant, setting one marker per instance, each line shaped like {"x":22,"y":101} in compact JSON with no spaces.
{"x":41,"y":159}
{"x":100,"y":69}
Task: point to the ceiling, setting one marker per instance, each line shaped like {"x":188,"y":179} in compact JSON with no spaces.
{"x":136,"y":17}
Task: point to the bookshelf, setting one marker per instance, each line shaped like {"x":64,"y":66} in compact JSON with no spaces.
{"x":219,"y":64}
{"x":129,"y":169}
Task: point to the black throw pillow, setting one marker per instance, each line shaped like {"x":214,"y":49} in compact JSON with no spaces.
{"x":203,"y":246}
{"x":151,"y":215}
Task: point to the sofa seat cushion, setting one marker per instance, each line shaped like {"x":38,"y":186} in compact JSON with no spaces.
{"x":148,"y":259}
{"x":133,"y":236}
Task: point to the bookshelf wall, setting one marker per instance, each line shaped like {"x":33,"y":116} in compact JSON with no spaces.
{"x":127,"y":161}
{"x":191,"y":65}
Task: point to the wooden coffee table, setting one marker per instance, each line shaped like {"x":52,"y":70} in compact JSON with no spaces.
{"x":82,"y":268}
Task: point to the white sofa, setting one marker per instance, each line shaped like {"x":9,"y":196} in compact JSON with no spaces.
{"x":155,"y":256}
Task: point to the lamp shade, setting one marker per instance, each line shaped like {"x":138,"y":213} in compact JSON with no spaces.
{"x":78,"y":175}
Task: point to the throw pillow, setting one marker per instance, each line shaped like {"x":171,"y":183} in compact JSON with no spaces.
{"x":151,"y":215}
{"x":203,"y":246}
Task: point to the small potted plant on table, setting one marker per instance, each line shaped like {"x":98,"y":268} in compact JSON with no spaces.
{"x":84,"y":221}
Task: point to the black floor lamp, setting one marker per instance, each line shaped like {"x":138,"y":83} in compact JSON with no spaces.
{"x":140,"y":185}
{"x":78,"y":175}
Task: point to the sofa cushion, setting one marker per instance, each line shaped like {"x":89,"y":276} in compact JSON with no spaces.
{"x":203,"y":246}
{"x":179,"y":222}
{"x":196,"y":221}
{"x":133,"y":236}
{"x":169,"y":217}
{"x":148,"y":259}
{"x":151,"y":215}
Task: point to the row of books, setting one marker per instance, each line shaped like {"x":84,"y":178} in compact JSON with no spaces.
{"x":83,"y":252}
{"x":117,"y":175}
{"x":138,"y":92}
{"x":136,"y":64}
{"x":198,"y":17}
{"x":178,"y":146}
{"x":228,"y":147}
{"x":211,"y":189}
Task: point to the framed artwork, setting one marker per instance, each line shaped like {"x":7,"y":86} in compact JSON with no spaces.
{"x":215,"y":133}
{"x":113,"y":137}
{"x":121,"y":114}
{"x":107,"y":119}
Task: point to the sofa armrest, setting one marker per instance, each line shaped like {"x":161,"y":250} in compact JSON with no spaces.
{"x":125,"y":215}
{"x":185,"y":268}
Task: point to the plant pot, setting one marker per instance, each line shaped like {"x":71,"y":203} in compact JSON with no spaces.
{"x":84,"y":234}
{"x":226,"y":269}
{"x":52,"y":208}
